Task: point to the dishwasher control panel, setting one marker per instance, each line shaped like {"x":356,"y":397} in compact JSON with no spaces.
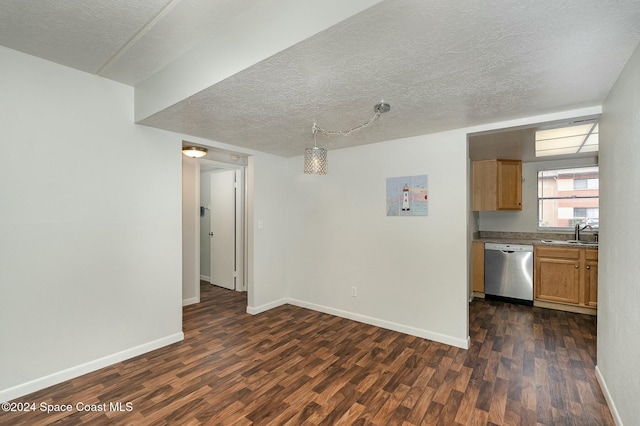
{"x":508,"y":247}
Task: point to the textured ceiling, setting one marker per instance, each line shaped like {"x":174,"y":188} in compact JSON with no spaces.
{"x":441,"y":65}
{"x":80,"y":34}
{"x":122,"y":40}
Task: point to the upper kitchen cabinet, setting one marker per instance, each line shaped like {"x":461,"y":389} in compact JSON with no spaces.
{"x":497,"y":185}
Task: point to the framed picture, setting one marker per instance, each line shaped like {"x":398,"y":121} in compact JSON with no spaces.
{"x":407,"y":196}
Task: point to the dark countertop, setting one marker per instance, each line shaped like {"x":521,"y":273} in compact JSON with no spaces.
{"x":536,"y":239}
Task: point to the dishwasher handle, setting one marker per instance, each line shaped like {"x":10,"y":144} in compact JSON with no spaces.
{"x":508,"y":248}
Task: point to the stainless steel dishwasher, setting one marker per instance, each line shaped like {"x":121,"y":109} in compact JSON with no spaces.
{"x":508,"y":272}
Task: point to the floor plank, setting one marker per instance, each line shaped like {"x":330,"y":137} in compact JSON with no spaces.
{"x":526,"y":366}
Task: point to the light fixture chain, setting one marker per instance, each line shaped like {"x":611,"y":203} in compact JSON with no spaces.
{"x":315,"y":159}
{"x":317,"y":128}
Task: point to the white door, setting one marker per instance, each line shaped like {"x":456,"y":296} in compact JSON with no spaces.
{"x":223,"y":229}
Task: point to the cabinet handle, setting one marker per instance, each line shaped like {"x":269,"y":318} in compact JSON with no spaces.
{"x":588,"y":267}
{"x":577,"y":266}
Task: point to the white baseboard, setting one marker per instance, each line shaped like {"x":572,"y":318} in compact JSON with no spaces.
{"x":190,"y":301}
{"x":266,"y":306}
{"x":205,"y":278}
{"x":607,"y":397}
{"x":406,"y":329}
{"x":73,"y":372}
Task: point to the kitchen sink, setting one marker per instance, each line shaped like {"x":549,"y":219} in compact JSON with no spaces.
{"x":583,"y":242}
{"x":573,"y":242}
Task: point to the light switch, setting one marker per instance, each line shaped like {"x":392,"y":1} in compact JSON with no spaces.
{"x":260,"y":224}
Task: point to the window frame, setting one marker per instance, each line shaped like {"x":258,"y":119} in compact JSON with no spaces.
{"x":540,"y":198}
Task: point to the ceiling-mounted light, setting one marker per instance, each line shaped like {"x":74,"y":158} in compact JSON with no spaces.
{"x":194,"y":151}
{"x":574,"y":139}
{"x":315,"y":159}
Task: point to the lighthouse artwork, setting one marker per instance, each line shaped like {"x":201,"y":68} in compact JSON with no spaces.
{"x":407,"y":196}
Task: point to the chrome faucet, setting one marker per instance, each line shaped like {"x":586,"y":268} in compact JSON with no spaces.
{"x":577,"y":229}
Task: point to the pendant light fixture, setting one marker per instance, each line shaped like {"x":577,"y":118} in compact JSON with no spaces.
{"x":194,"y":151}
{"x":315,"y":159}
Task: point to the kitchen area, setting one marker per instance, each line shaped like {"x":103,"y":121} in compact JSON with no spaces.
{"x":535,"y":214}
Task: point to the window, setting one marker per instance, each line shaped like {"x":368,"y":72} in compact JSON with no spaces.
{"x":567,"y":197}
{"x":579,"y":212}
{"x":586,"y":184}
{"x":580,"y":184}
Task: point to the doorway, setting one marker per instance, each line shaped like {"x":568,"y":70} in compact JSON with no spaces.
{"x":222,"y":225}
{"x":193,"y":242}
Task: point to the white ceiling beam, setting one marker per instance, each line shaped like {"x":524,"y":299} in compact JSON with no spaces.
{"x":266,"y":29}
{"x":133,"y":40}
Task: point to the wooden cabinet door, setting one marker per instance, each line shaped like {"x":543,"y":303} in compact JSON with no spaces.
{"x":557,"y":274}
{"x":484,"y":176}
{"x":477,"y":265}
{"x":496,"y":185}
{"x":591,"y":278}
{"x":509,"y":185}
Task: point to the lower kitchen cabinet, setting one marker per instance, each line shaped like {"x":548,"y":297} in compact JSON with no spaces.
{"x":591,"y":277}
{"x":567,"y":276}
{"x":477,"y":267}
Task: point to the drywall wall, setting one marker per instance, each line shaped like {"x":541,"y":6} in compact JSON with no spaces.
{"x":190,"y":228}
{"x":90,"y":250}
{"x":618,"y":268}
{"x":410,"y":273}
{"x":526,"y":220}
{"x":266,"y":211}
{"x":205,"y":226}
{"x":103,"y":225}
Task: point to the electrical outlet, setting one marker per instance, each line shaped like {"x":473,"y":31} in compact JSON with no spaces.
{"x":354,"y":291}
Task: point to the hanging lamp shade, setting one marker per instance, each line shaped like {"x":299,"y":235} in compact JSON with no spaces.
{"x":315,"y":161}
{"x":194,"y":151}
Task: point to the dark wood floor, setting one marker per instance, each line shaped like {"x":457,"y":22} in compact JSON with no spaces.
{"x":526,"y":366}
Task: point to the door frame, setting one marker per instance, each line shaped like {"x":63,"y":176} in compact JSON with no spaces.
{"x":223,"y":158}
{"x":241,"y":219}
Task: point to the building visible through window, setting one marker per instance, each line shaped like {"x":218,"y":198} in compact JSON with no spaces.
{"x":580,"y":184}
{"x":568,"y":196}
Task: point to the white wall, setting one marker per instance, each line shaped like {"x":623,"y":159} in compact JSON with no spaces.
{"x":267,"y":192}
{"x":90,"y":226}
{"x":91,"y":247}
{"x":410,"y":272}
{"x":619,"y":270}
{"x":190,"y":228}
{"x":527,"y":219}
{"x":205,"y":225}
